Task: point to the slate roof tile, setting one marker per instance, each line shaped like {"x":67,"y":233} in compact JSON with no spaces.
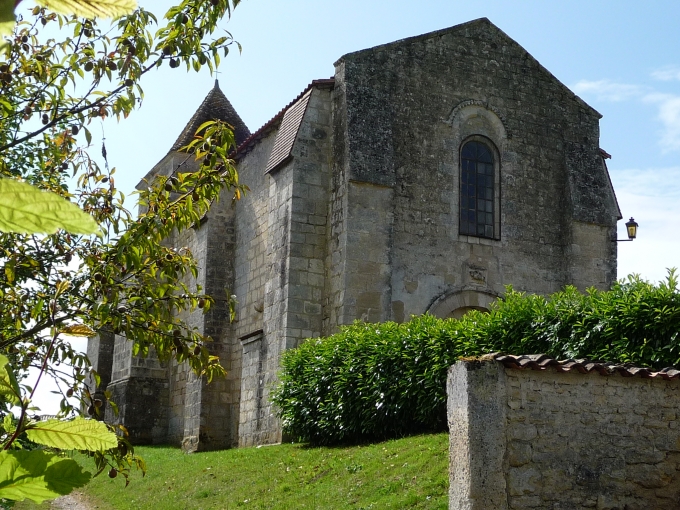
{"x":245,"y":146}
{"x":285,"y":138}
{"x":215,"y":106}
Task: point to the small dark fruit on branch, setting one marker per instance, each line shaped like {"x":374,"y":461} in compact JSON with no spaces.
{"x":24,"y":38}
{"x":90,"y":410}
{"x":113,"y":472}
{"x":89,"y":66}
{"x":129,"y":82}
{"x":45,"y":119}
{"x":74,"y":130}
{"x":87,"y":32}
{"x":197,"y":350}
{"x":69,"y":392}
{"x":122,"y":449}
{"x":167,"y":50}
{"x":97,"y":402}
{"x":174,"y":63}
{"x":201,"y":303}
{"x":176,"y":333}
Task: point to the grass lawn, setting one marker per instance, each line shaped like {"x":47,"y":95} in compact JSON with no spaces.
{"x":400,"y":474}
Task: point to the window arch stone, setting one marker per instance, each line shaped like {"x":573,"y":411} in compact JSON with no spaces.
{"x":477,"y":121}
{"x":456,"y":304}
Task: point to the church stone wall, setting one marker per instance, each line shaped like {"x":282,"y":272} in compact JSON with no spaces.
{"x":334,"y":310}
{"x":295,"y":256}
{"x":139,"y":387}
{"x":546,"y":439}
{"x":252,"y":268}
{"x":410,"y":106}
{"x":211,"y":410}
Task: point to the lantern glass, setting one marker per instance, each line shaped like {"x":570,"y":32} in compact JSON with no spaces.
{"x":631,"y":227}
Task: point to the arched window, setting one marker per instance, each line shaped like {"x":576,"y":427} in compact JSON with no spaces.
{"x":477,"y":190}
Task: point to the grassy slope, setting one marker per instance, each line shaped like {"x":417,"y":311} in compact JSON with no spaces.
{"x":401,"y":474}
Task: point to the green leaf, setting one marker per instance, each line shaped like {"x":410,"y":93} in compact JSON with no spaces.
{"x":9,"y":388}
{"x":91,"y":8}
{"x":78,"y":330}
{"x":77,"y":434}
{"x":28,"y":210}
{"x":8,"y":423}
{"x":38,"y":475}
{"x":7,"y":21}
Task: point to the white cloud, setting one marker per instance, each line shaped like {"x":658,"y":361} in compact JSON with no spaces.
{"x":667,"y":73}
{"x":606,"y":90}
{"x":651,"y":182}
{"x":668,"y":104}
{"x":669,"y":115}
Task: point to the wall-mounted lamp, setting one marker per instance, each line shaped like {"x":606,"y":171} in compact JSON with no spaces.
{"x":631,"y":228}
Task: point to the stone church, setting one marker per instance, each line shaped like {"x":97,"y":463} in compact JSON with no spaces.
{"x":426,"y":175}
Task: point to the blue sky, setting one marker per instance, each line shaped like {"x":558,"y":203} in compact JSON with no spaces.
{"x":622,"y":58}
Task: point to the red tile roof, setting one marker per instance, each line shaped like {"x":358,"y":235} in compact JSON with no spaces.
{"x":582,"y":366}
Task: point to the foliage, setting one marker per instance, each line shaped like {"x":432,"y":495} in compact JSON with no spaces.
{"x":28,"y":210}
{"x":85,"y":8}
{"x":410,"y":473}
{"x":38,"y":475}
{"x":54,"y":280}
{"x":385,"y":380}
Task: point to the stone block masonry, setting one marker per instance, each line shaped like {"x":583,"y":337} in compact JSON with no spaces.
{"x":562,"y":435}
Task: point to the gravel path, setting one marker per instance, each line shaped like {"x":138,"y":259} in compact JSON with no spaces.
{"x":74,"y":501}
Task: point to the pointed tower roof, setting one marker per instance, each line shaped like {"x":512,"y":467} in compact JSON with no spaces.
{"x":215,"y":106}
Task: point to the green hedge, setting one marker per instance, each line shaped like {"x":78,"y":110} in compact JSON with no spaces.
{"x":373,"y":381}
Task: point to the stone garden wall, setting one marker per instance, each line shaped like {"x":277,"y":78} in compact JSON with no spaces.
{"x":531,"y":432}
